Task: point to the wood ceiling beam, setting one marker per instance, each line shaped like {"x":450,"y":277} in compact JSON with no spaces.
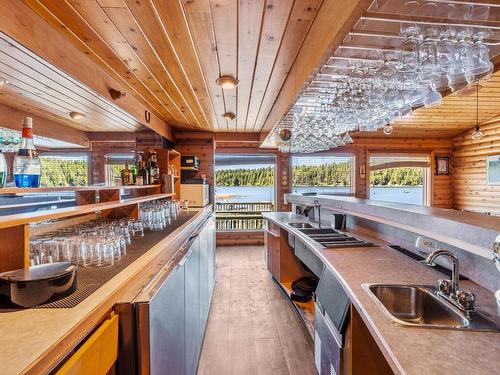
{"x":13,"y":119}
{"x":335,"y":19}
{"x":54,"y":44}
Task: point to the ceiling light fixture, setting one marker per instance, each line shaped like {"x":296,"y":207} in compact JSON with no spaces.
{"x":229,"y":116}
{"x":477,"y":133}
{"x":76,"y":115}
{"x":227,"y":82}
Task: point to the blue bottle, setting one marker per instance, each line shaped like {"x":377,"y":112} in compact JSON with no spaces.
{"x":27,"y":163}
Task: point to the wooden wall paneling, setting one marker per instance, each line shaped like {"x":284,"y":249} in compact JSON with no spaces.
{"x":321,"y":40}
{"x":283,"y":180}
{"x":34,"y":27}
{"x":470,"y":189}
{"x":361,"y":182}
{"x":441,"y":189}
{"x":14,"y":253}
{"x":276,"y":16}
{"x":225,"y":24}
{"x":301,"y":18}
{"x":140,"y":27}
{"x":199,"y":17}
{"x":173,"y":20}
{"x":200,"y":144}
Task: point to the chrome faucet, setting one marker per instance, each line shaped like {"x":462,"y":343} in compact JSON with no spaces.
{"x":317,"y":208}
{"x":450,"y":289}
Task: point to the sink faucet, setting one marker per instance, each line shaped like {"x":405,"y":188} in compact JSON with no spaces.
{"x":317,"y":208}
{"x":450,"y":289}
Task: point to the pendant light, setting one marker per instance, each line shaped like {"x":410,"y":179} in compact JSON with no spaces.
{"x":477,"y":133}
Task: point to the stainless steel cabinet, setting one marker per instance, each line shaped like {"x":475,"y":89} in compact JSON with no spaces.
{"x":161,"y":332}
{"x":194,"y":333}
{"x":165,"y":350}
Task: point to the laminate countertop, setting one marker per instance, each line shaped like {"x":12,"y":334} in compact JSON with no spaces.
{"x":408,"y":350}
{"x":33,"y":341}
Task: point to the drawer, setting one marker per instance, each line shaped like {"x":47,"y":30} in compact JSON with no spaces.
{"x":97,"y":354}
{"x":308,"y":257}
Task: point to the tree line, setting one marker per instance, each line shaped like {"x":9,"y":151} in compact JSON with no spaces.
{"x":63,"y":172}
{"x":333,"y":174}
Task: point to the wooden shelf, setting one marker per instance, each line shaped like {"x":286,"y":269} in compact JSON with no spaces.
{"x":189,"y":169}
{"x":8,"y":221}
{"x":16,"y":190}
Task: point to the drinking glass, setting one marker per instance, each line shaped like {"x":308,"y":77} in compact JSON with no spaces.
{"x":410,"y":53}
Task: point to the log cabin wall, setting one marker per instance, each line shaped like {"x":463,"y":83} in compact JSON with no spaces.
{"x":470,"y":189}
{"x":440,"y":189}
{"x":200,"y":144}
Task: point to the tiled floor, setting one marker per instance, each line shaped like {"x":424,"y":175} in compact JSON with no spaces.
{"x":252,"y":328}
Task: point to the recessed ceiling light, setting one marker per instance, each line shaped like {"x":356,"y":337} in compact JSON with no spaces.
{"x":76,"y":115}
{"x":227,"y":82}
{"x":229,"y":116}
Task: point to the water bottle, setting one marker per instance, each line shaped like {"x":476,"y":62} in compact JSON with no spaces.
{"x":26,"y":162}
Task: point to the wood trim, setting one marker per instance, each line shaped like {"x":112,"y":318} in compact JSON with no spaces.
{"x":21,"y":23}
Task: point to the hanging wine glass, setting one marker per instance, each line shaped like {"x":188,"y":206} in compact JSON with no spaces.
{"x":410,"y":59}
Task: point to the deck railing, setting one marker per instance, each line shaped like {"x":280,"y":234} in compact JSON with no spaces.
{"x":241,"y":216}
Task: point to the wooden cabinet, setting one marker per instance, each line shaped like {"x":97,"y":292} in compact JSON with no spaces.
{"x":272,"y":242}
{"x":97,"y":354}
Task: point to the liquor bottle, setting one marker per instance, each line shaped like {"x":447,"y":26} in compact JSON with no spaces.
{"x":26,"y":163}
{"x":126,"y":176}
{"x":142,"y":175}
{"x":136,"y":166}
{"x":3,"y":169}
{"x":155,"y":170}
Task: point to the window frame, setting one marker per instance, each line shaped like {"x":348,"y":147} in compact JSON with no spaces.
{"x":64,"y":154}
{"x":427,"y":179}
{"x":352,"y":171}
{"x":125,"y":155}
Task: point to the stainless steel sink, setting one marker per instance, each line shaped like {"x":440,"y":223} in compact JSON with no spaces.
{"x":300,"y":225}
{"x":420,"y":306}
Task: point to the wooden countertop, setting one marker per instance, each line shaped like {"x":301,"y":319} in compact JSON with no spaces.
{"x":408,"y":350}
{"x":55,"y":189}
{"x":35,"y":340}
{"x":470,"y":231}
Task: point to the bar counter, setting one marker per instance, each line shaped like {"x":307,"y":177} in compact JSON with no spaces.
{"x":35,"y":340}
{"x":408,"y":350}
{"x":470,"y":231}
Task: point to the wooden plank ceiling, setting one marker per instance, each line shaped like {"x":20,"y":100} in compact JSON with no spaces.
{"x":170,"y":53}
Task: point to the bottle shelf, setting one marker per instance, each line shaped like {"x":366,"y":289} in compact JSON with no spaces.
{"x":7,"y":221}
{"x":16,"y":190}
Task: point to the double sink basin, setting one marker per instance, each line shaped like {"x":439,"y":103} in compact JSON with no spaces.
{"x":405,"y":305}
{"x":328,"y":237}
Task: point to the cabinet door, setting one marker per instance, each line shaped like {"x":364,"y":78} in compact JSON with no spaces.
{"x":204,"y":282}
{"x":211,"y":246}
{"x":273,"y":253}
{"x":167,"y":330}
{"x":193,"y":307}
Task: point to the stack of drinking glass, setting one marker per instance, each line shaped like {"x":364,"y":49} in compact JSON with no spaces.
{"x":98,"y":243}
{"x":156,"y":215}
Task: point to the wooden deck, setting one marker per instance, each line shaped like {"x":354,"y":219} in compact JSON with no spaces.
{"x":252,"y":328}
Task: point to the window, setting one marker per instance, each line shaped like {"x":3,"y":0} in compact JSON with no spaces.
{"x":64,"y":170}
{"x":322,"y":174}
{"x":400,"y":179}
{"x":244,"y":188}
{"x":115,"y":163}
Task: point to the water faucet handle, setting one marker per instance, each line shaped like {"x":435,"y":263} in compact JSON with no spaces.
{"x":466,"y":300}
{"x":445,"y":287}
